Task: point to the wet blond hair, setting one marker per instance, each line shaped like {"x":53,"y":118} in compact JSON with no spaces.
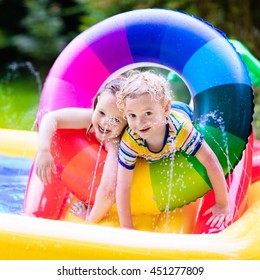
{"x":138,"y":83}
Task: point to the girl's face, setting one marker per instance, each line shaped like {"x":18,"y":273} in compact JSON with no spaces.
{"x":107,"y":120}
{"x":145,"y":116}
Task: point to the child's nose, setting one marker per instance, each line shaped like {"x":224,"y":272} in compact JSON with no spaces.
{"x":108,"y":121}
{"x":140,"y":121}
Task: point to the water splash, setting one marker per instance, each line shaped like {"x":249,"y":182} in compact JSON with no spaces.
{"x":219,"y":121}
{"x":18,"y":115}
{"x":170,"y":187}
{"x":95,"y":171}
{"x":15,"y":66}
{"x":217,"y":118}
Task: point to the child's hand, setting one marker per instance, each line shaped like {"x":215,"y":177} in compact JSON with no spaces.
{"x":44,"y":166}
{"x":80,"y":210}
{"x":220,"y":215}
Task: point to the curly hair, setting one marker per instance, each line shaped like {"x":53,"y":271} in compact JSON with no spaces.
{"x":138,"y":83}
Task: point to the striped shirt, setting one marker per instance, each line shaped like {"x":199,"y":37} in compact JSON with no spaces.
{"x":180,"y":136}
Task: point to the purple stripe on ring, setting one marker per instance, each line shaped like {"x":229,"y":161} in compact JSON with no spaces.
{"x":110,"y":43}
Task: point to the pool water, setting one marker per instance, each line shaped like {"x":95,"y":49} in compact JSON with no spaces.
{"x":14,"y":174}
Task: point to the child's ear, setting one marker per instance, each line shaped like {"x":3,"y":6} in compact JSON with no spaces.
{"x":167,"y":108}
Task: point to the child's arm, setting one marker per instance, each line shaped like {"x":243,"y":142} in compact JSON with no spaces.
{"x":221,"y":210}
{"x":105,"y":196}
{"x":75,"y":118}
{"x":123,"y":195}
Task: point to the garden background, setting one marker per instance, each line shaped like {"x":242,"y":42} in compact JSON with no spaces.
{"x":34,"y":32}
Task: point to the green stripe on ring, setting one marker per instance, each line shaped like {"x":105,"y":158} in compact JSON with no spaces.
{"x":182,"y":180}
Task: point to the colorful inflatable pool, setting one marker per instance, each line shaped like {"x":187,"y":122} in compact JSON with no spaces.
{"x":23,"y":237}
{"x":201,"y":56}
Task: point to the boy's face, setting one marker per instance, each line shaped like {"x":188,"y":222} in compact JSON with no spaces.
{"x":107,"y":120}
{"x":146,"y":115}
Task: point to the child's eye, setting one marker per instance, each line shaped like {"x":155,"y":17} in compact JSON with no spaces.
{"x":101,"y":113}
{"x":116,"y":120}
{"x":131,"y":116}
{"x":148,"y":113}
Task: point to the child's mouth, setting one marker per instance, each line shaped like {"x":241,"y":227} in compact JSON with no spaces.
{"x":102,"y":130}
{"x":143,"y":130}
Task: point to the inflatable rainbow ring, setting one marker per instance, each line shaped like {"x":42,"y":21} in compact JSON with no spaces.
{"x":214,"y":73}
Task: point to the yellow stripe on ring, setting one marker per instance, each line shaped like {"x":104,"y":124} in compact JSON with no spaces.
{"x":142,"y":197}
